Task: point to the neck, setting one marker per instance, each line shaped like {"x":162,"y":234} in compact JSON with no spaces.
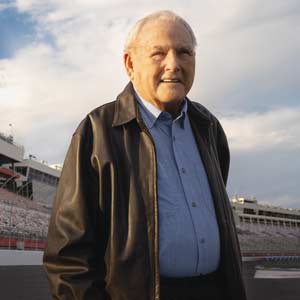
{"x":172,"y":108}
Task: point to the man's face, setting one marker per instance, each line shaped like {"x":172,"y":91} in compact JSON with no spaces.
{"x":161,"y":64}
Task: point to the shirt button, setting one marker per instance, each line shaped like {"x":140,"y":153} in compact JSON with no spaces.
{"x":173,"y":138}
{"x":183,"y":170}
{"x":194,"y":204}
{"x":202,"y":240}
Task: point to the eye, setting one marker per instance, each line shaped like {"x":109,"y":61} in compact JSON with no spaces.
{"x":157,"y":54}
{"x":184,"y":52}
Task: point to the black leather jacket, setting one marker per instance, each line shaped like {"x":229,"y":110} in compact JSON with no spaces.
{"x":103,"y":232}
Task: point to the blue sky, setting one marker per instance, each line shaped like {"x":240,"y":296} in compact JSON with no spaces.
{"x":59,"y":59}
{"x":16,"y":30}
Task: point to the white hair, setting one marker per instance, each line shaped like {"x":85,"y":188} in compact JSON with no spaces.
{"x":162,"y":15}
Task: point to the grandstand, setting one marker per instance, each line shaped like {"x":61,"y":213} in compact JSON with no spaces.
{"x":25,"y":217}
{"x":27,"y":188}
{"x":28,"y":177}
{"x":266,"y":229}
{"x":269,"y":236}
{"x":23,"y":223}
{"x":267,"y":240}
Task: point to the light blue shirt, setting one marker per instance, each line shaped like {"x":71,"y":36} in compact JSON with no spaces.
{"x":189,"y":242}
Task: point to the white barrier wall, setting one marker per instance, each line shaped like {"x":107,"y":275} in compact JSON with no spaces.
{"x":20,"y":258}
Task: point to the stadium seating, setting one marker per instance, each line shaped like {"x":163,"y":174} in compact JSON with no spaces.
{"x":22,"y":217}
{"x":27,"y":219}
{"x":268,"y":238}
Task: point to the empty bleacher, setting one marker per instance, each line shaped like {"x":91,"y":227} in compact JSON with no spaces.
{"x":22,"y":217}
{"x":268,"y":239}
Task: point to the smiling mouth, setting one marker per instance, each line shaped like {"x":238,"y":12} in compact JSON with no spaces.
{"x":170,"y":80}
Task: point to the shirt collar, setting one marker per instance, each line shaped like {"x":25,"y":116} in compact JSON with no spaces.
{"x":152,"y":112}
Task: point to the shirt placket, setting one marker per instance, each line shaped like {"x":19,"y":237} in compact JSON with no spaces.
{"x":183,"y":174}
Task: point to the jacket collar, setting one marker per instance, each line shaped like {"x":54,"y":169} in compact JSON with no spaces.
{"x":126,"y":109}
{"x":199,"y":113}
{"x":125,"y":106}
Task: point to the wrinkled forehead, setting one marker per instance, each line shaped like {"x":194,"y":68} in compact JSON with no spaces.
{"x":165,"y":47}
{"x":163,"y":33}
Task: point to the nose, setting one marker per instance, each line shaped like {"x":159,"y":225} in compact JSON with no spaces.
{"x":172,"y":62}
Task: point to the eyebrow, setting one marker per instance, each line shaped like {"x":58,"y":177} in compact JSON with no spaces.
{"x":180,"y":47}
{"x":158,"y":48}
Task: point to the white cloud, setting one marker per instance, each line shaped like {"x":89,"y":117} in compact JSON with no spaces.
{"x":82,"y":67}
{"x":271,"y":175}
{"x":285,"y":201}
{"x":278,"y":128}
{"x":247,"y":61}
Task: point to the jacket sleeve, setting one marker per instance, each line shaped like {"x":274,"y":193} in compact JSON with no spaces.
{"x":223,"y":152}
{"x":237,"y":284}
{"x":74,"y":255}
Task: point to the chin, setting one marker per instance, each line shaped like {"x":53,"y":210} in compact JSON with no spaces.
{"x":173,"y":97}
{"x":174,"y":94}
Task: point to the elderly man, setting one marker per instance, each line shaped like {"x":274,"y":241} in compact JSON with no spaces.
{"x":141,"y":211}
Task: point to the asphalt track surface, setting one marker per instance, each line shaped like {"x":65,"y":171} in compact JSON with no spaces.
{"x":30,"y":283}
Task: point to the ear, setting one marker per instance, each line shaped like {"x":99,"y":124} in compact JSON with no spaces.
{"x":127,"y":58}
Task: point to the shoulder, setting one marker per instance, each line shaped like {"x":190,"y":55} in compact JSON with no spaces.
{"x":100,"y":117}
{"x":218,"y":136}
{"x":202,"y":111}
